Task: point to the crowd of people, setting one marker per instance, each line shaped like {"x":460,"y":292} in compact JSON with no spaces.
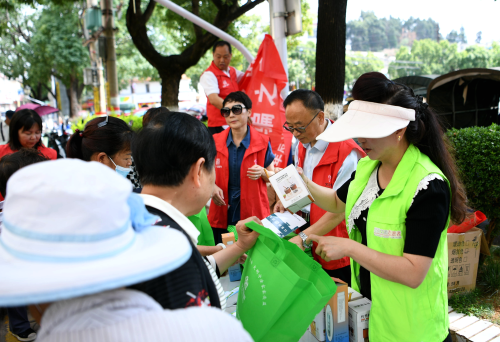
{"x":114,"y":243}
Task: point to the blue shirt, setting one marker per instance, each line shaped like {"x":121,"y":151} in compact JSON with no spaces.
{"x":235,"y":159}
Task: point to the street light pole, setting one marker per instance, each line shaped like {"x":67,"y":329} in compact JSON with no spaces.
{"x":278,"y":13}
{"x":111,"y":74}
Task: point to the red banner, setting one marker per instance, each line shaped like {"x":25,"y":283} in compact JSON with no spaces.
{"x":263,"y":82}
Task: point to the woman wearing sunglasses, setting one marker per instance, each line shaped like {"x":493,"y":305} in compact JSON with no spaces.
{"x":242,"y":155}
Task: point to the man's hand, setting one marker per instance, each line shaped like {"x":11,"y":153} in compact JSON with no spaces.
{"x":255,"y":172}
{"x":279,"y":208}
{"x":246,"y":236}
{"x":218,"y":196}
{"x":330,"y":247}
{"x":298,"y":241}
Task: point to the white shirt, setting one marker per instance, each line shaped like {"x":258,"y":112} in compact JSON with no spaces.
{"x":4,"y":133}
{"x":130,"y":316}
{"x":314,"y":155}
{"x":210,"y":84}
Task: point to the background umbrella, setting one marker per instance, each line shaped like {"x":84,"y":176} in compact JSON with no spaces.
{"x":41,"y":110}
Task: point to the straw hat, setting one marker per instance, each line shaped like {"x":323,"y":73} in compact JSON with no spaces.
{"x":368,"y":120}
{"x":73,"y":228}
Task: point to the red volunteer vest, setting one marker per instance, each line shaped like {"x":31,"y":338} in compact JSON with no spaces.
{"x":325,"y":174}
{"x":253,"y":197}
{"x":226,"y":86}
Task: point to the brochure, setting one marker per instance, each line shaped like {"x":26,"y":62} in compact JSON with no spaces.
{"x":283,"y":224}
{"x":291,"y":189}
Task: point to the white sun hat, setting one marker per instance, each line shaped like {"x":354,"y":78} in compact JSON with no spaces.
{"x":69,"y":230}
{"x":368,"y":120}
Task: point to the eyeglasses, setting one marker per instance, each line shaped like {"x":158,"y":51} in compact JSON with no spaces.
{"x":299,"y":129}
{"x":237,"y":110}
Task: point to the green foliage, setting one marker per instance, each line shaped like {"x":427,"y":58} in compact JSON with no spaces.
{"x":490,"y":275}
{"x":429,"y":57}
{"x":470,"y":303}
{"x":478,"y":161}
{"x":135,"y":122}
{"x":370,"y":33}
{"x":358,"y":64}
{"x":302,"y":65}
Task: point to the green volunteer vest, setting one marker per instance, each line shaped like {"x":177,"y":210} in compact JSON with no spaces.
{"x":400,"y":313}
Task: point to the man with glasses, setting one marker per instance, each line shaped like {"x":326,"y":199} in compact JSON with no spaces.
{"x":218,"y":81}
{"x":327,"y":164}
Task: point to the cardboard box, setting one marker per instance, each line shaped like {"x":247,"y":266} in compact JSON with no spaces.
{"x":463,"y":259}
{"x":291,"y":189}
{"x":353,"y":295}
{"x":331,"y":323}
{"x":359,"y":315}
{"x":235,"y":270}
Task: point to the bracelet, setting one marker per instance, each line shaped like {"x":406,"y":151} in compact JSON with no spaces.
{"x":222,"y":245}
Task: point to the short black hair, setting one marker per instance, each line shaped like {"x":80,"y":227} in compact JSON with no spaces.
{"x":15,"y":161}
{"x":152,"y":113}
{"x":165,"y":150}
{"x":222,"y":43}
{"x":9,"y":114}
{"x":310,"y":99}
{"x":238,"y":96}
{"x":24,"y":119}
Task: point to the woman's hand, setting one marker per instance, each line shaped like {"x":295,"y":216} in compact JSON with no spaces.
{"x":297,"y":240}
{"x":218,"y":196}
{"x":330,"y":247}
{"x":255,"y":172}
{"x":246,"y":236}
{"x":301,"y":173}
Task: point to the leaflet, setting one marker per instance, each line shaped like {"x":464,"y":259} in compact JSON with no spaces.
{"x":283,"y":224}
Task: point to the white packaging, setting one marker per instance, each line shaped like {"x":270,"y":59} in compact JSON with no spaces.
{"x":291,"y":189}
{"x":353,"y":295}
{"x":359,"y":314}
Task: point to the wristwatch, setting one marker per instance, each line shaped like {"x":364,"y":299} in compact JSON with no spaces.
{"x":304,"y":238}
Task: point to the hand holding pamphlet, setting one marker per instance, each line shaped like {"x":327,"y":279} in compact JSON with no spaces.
{"x":283,"y":224}
{"x":291,"y":189}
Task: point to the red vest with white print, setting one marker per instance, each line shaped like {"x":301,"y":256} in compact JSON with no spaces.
{"x":227,"y":85}
{"x":325,"y":174}
{"x":253,"y":196}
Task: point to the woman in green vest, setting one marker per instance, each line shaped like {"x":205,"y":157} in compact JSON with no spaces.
{"x":397,"y":205}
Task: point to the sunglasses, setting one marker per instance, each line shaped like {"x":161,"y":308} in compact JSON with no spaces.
{"x":299,"y":129}
{"x":237,"y":110}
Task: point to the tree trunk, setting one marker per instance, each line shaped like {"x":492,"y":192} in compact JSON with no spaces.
{"x":330,"y":54}
{"x":170,"y":89}
{"x":74,"y":104}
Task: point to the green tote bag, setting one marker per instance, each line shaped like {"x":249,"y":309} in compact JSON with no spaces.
{"x":281,"y":289}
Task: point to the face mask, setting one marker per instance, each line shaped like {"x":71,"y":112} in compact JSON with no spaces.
{"x":122,"y":171}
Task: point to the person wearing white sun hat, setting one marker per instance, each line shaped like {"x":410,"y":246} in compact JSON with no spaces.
{"x":397,"y":204}
{"x":74,"y":235}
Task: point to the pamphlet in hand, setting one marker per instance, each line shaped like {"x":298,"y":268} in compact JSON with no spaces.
{"x":283,"y":224}
{"x":291,"y":189}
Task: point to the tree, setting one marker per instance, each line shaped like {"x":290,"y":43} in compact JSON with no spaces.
{"x":330,"y":54}
{"x":478,"y":37}
{"x":452,"y":37}
{"x":58,"y":42}
{"x":357,"y":64}
{"x":302,"y":65}
{"x":192,"y":41}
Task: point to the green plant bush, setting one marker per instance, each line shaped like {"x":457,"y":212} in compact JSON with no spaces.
{"x":477,"y":154}
{"x":135,"y":122}
{"x":490,"y":275}
{"x":470,"y":303}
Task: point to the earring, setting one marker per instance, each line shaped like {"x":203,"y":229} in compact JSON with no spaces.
{"x":399,"y":138}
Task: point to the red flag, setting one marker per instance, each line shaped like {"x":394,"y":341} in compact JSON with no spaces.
{"x":263,"y":82}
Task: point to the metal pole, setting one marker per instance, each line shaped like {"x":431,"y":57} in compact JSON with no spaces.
{"x":278,"y":20}
{"x":111,"y":75}
{"x":207,"y":26}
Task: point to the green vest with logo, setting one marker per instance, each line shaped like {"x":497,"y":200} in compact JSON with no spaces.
{"x":400,"y":313}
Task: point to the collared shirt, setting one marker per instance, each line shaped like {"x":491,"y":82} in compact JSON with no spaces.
{"x":314,"y":155}
{"x":128,"y":315}
{"x":235,"y":160}
{"x":210,"y":84}
{"x":175,"y":214}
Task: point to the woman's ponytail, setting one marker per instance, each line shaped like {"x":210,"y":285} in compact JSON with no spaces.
{"x":74,"y":145}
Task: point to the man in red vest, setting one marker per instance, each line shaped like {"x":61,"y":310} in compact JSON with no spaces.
{"x":327,"y":164}
{"x":218,"y":81}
